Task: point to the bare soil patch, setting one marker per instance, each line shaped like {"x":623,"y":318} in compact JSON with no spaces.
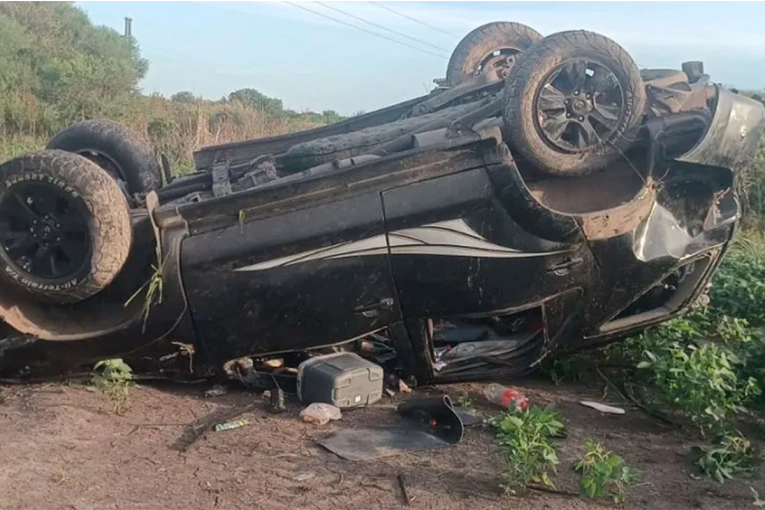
{"x":62,"y":447}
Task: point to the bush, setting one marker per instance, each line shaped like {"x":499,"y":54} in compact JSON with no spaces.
{"x":57,"y":68}
{"x":699,"y":382}
{"x":738,"y":287}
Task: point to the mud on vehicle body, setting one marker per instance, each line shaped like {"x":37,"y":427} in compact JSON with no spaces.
{"x":564,"y":201}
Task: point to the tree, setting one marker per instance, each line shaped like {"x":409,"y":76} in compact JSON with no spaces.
{"x":250,"y":97}
{"x":184,"y":96}
{"x":52,"y":55}
{"x":331,"y":116}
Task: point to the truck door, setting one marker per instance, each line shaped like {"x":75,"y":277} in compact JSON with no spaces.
{"x":455,"y":250}
{"x":309,"y":277}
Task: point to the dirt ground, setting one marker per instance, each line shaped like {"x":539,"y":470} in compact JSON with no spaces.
{"x":62,"y":447}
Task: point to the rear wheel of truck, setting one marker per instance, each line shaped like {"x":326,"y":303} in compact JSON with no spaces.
{"x":65,"y":229}
{"x":494,"y":46}
{"x":572,"y":103}
{"x":116,"y":149}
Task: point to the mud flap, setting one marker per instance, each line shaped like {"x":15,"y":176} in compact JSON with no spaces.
{"x":426,"y":424}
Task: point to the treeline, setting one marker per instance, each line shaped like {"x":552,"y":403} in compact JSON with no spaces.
{"x":57,"y":68}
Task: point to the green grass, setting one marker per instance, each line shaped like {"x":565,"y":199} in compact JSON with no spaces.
{"x":10,"y":148}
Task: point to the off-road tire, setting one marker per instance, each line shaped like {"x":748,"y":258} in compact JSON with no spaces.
{"x":484,"y":40}
{"x":109,"y":224}
{"x":119,"y":150}
{"x":529,"y":74}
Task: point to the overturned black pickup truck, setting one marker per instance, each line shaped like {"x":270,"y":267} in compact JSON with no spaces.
{"x":548,"y":196}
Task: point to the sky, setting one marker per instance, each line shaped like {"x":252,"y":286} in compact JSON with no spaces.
{"x":315,"y":63}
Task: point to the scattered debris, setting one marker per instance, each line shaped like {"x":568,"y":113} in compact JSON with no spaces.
{"x":302,"y":477}
{"x":273,"y":363}
{"x":757,"y":501}
{"x":465,"y":349}
{"x":203,"y":425}
{"x":243,"y":370}
{"x":367,"y":346}
{"x":228,"y":425}
{"x":187,"y":350}
{"x":216,"y":391}
{"x":460,"y":346}
{"x":343,"y":379}
{"x":237,"y":367}
{"x":509,"y":398}
{"x":320,"y":413}
{"x":394,"y":384}
{"x":603,"y":408}
{"x":276,"y":401}
{"x":402,"y":485}
{"x":427,"y":423}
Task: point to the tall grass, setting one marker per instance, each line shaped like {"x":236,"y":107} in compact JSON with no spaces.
{"x":176,"y":129}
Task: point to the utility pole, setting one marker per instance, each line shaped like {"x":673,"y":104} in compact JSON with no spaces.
{"x":128,"y":27}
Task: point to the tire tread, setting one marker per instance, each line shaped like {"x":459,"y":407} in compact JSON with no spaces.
{"x":120,"y":143}
{"x":528,"y":72}
{"x":466,"y":54}
{"x":110,"y":223}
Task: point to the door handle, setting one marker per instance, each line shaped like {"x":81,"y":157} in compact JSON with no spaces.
{"x":563,"y":268}
{"x":374,"y":309}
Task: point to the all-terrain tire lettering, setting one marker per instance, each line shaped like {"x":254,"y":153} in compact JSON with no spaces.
{"x":109,"y":224}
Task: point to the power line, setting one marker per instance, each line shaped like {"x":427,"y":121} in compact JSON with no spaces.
{"x":432,"y":27}
{"x":380,"y":26}
{"x":364,"y":30}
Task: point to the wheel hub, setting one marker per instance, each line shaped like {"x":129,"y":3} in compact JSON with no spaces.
{"x":579,"y":106}
{"x":47,"y":229}
{"x":505,"y":66}
{"x":500,"y":62}
{"x":43,"y":231}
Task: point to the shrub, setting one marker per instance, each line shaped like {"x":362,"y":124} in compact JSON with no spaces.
{"x":700,"y":382}
{"x":524,"y":437}
{"x":604,"y":473}
{"x":730,"y":455}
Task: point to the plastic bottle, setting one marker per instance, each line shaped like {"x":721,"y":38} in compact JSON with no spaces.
{"x":509,"y":398}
